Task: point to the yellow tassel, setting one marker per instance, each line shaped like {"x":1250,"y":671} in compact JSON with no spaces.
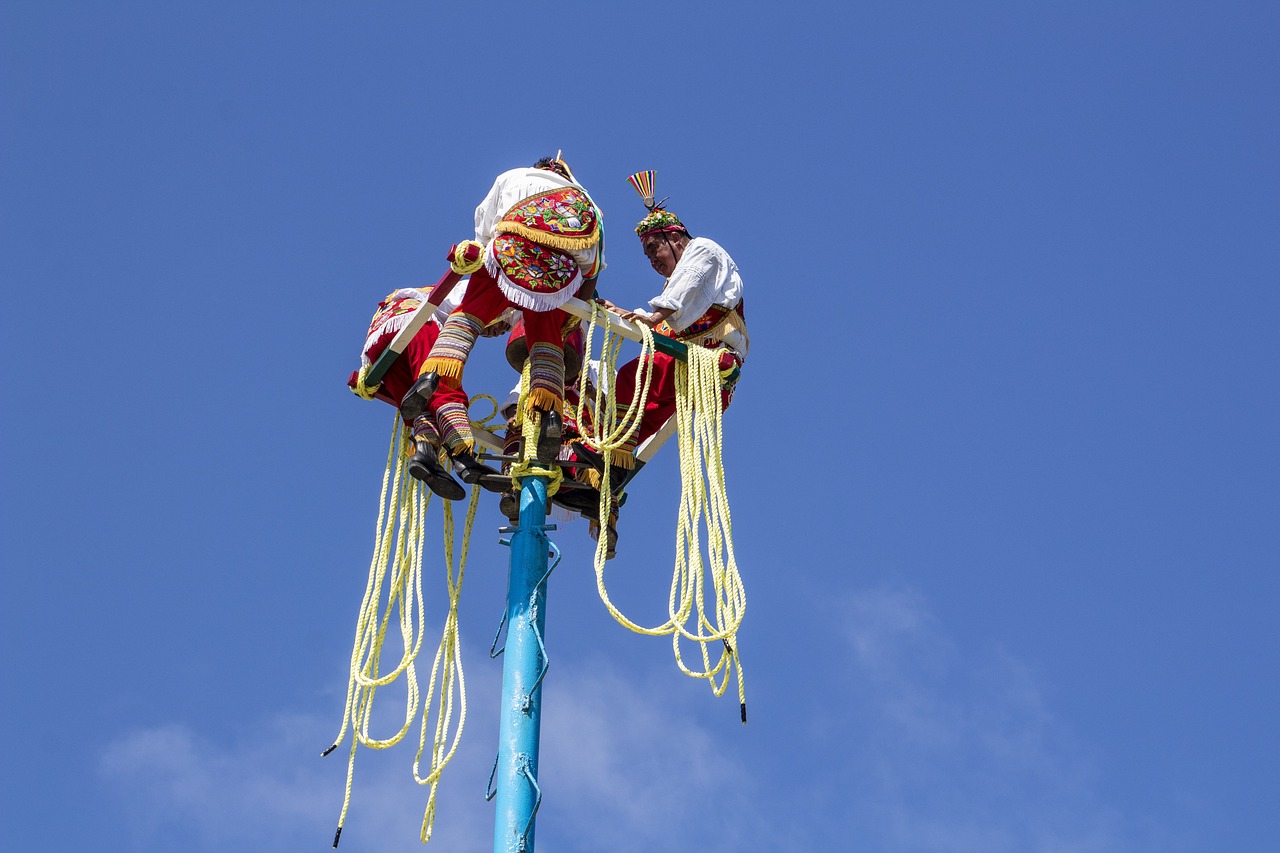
{"x":544,"y":399}
{"x":528,"y":465}
{"x":457,"y":445}
{"x":553,"y":241}
{"x":623,"y":459}
{"x":446,"y":368}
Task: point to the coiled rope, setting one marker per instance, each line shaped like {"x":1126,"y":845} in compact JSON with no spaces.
{"x":397,"y":567}
{"x":703,"y":503}
{"x":362,"y":390}
{"x":528,"y":466}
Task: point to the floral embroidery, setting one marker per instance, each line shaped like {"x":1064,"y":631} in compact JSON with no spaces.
{"x":708,"y":321}
{"x":535,"y":268}
{"x":392,"y":307}
{"x":564,"y":211}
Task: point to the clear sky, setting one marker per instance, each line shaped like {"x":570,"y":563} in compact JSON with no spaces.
{"x":1003,"y":463}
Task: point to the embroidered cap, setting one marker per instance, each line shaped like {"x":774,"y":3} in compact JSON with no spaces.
{"x":660,"y":220}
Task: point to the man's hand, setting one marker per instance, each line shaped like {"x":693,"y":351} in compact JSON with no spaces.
{"x":650,"y":319}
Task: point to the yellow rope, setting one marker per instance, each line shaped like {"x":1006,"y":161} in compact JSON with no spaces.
{"x":465,"y":267}
{"x":703,"y":503}
{"x":528,"y":465}
{"x":450,"y":654}
{"x":397,"y":566}
{"x":604,"y":431}
{"x":361,"y":389}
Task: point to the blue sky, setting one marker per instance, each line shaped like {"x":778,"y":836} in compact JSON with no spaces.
{"x":1003,"y":463}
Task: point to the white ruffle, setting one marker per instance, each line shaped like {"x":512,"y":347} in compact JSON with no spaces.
{"x":386,"y":327}
{"x":398,"y":322}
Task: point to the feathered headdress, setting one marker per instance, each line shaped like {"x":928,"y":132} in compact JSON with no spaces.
{"x":658,"y":218}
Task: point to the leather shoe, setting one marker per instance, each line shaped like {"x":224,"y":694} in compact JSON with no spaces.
{"x":550,"y":434}
{"x":509,"y":505}
{"x":584,"y":501}
{"x":425,"y":466}
{"x":471,"y":470}
{"x":415,"y":400}
{"x":618,"y":476}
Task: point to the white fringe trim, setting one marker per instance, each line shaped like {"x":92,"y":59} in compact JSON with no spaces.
{"x":386,"y":327}
{"x":525,"y":298}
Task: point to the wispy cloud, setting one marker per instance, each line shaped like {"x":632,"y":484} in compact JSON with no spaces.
{"x":921,"y":745}
{"x":623,"y":768}
{"x":962,"y":750}
{"x":632,"y":769}
{"x":266,"y":790}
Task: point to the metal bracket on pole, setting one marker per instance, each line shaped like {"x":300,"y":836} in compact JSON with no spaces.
{"x":525,"y":664}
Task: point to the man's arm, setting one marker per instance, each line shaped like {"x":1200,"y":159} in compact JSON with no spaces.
{"x":649,"y":318}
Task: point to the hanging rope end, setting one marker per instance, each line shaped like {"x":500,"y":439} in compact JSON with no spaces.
{"x":743,"y":707}
{"x":336,"y":836}
{"x":329,"y":750}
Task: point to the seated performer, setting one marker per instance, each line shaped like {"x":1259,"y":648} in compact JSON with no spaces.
{"x":393,"y":313}
{"x":541,"y":238}
{"x":700,"y":304}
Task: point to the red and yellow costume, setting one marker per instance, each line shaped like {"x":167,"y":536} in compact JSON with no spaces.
{"x":393,"y":313}
{"x":541,"y":234}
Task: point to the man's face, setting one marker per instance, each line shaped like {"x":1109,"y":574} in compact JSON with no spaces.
{"x":663,"y":249}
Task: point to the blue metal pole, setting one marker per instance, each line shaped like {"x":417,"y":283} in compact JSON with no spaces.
{"x":523,"y":666}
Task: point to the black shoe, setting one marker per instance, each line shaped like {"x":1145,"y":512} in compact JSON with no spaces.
{"x":471,"y":470}
{"x":550,"y":434}
{"x":618,"y":476}
{"x":584,"y":501}
{"x":425,"y":466}
{"x":415,"y":400}
{"x":591,"y":457}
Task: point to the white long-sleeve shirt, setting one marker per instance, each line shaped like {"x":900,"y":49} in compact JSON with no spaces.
{"x":704,"y":276}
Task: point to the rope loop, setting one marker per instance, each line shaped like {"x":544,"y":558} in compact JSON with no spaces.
{"x":394,"y":585}
{"x":704,"y":505}
{"x":459,"y":264}
{"x":361,"y":390}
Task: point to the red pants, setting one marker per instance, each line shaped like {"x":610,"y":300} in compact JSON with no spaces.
{"x":404,"y":370}
{"x":484,"y":301}
{"x":661,"y":403}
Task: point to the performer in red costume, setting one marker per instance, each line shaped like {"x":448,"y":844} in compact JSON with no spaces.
{"x":393,"y":313}
{"x":542,"y":243}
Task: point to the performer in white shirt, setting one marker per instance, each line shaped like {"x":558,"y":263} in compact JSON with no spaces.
{"x":541,"y":235}
{"x":700,"y":304}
